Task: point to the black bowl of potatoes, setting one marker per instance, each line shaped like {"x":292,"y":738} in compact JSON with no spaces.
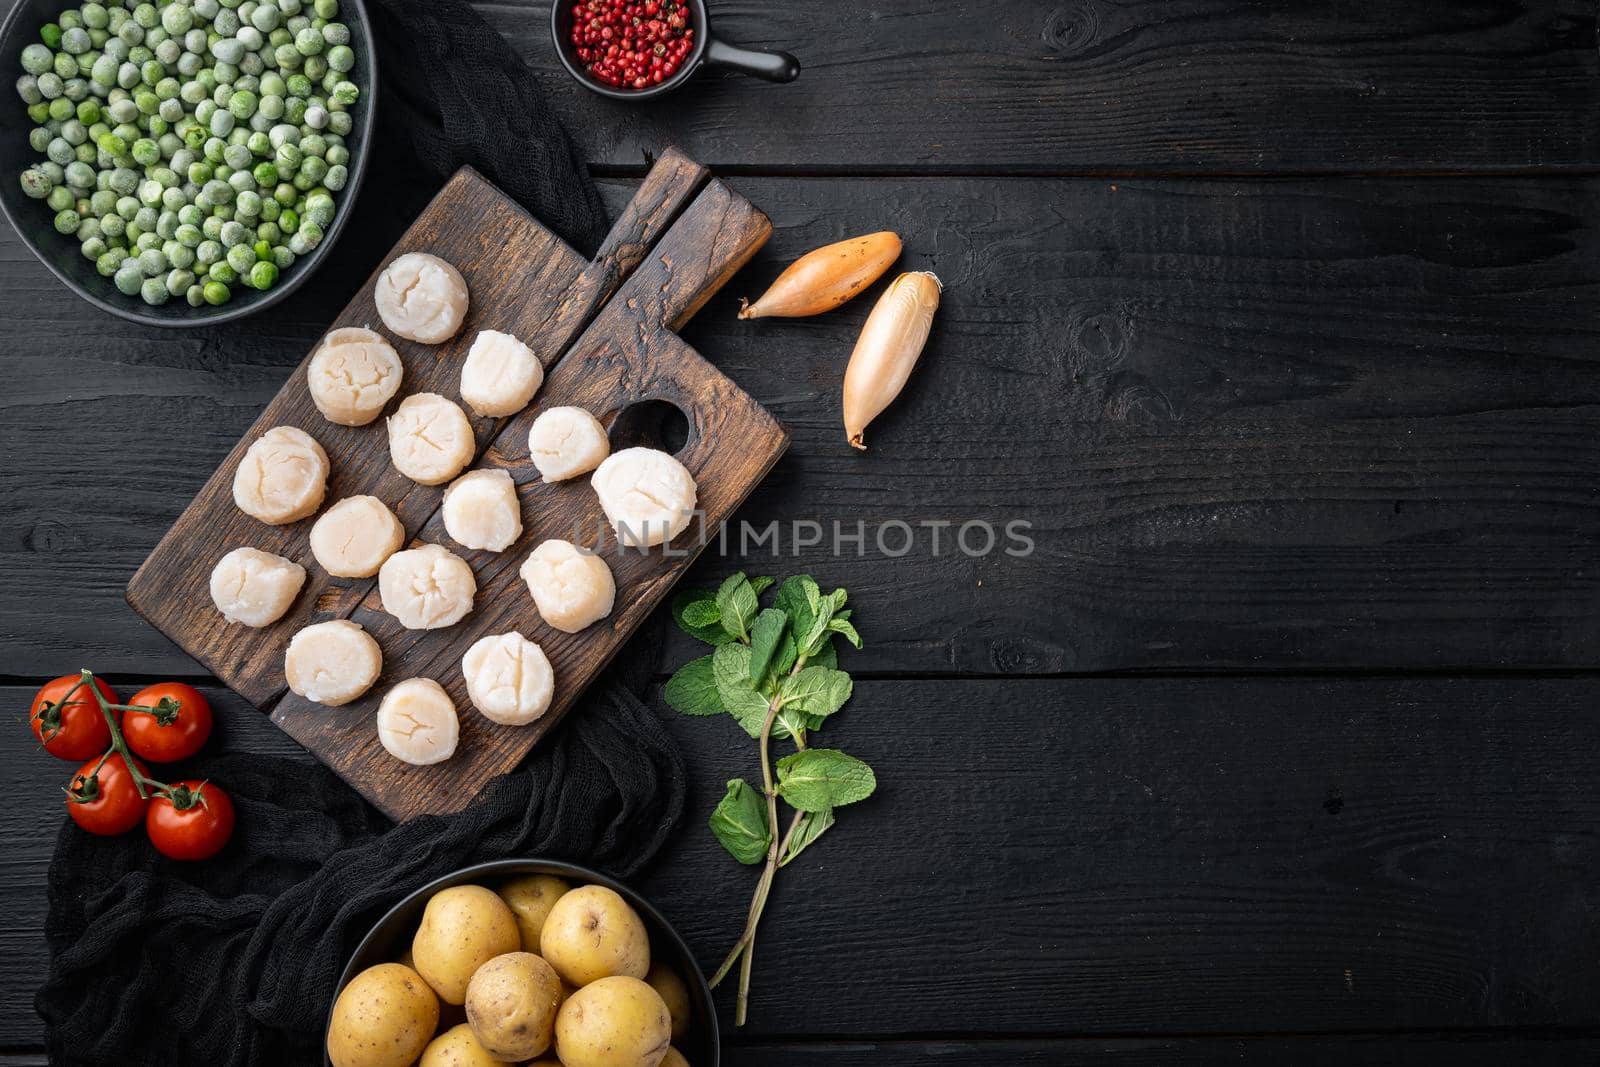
{"x":522,"y":961}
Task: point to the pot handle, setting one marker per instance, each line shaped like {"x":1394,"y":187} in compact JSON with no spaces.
{"x":771,"y":66}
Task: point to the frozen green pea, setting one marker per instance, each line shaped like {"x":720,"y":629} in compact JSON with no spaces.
{"x":266,"y":174}
{"x":146,"y":15}
{"x":315,"y":67}
{"x":199,"y":172}
{"x":287,"y":157}
{"x":234,"y":234}
{"x":154,"y":292}
{"x":50,"y":85}
{"x":39,"y":113}
{"x":216,"y":290}
{"x":248,"y":204}
{"x":228,"y":49}
{"x":152,"y":262}
{"x":74,"y":132}
{"x":170,"y":111}
{"x":270,"y":209}
{"x":128,"y":207}
{"x":176,"y":18}
{"x":147,"y":242}
{"x":112,"y":225}
{"x":88,"y":112}
{"x":259,"y":143}
{"x":146,"y":102}
{"x":178,"y":279}
{"x":207,"y":9}
{"x":79,"y":175}
{"x":50,"y":34}
{"x":112,"y":145}
{"x":264,"y":275}
{"x":67,"y":220}
{"x":221,"y":123}
{"x":166,"y":54}
{"x":167,"y":89}
{"x":106,"y":266}
{"x":238,"y":156}
{"x":195,"y":295}
{"x":241,"y":258}
{"x":128,"y":278}
{"x":298,"y":85}
{"x":60,"y":198}
{"x":103,"y":203}
{"x":208,"y":252}
{"x":59,"y":152}
{"x":191,"y":92}
{"x":189,"y":64}
{"x":212,"y":227}
{"x":28,"y":89}
{"x":38,"y":59}
{"x":243,"y":104}
{"x":64,"y":66}
{"x":145,"y":218}
{"x":92,"y":248}
{"x":287,"y":58}
{"x":341,"y":58}
{"x":75,"y":41}
{"x":225,"y":72}
{"x":34,"y":184}
{"x":145,"y":152}
{"x":128,"y":72}
{"x":61,"y":109}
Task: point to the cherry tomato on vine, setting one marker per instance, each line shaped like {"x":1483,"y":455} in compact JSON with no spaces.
{"x":192,"y":822}
{"x":175,"y":729}
{"x":106,"y":801}
{"x":75,"y":730}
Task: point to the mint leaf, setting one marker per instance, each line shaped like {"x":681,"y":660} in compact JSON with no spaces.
{"x":812,"y":824}
{"x":822,"y":778}
{"x":765,"y":636}
{"x":817,"y":691}
{"x":843,"y":628}
{"x":791,"y":722}
{"x":761,"y":584}
{"x":737,"y":605}
{"x":693,"y":690}
{"x":826,"y":656}
{"x":730,"y":670}
{"x":798,"y":598}
{"x":740,"y":823}
{"x":695,"y":611}
{"x":783,"y":659}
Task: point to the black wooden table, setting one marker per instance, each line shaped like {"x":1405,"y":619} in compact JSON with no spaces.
{"x":1280,"y":325}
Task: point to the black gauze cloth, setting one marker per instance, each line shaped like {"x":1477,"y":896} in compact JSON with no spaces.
{"x":233,"y":961}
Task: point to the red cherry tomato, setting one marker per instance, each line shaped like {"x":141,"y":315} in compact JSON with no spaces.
{"x":191,"y":824}
{"x":75,"y":730}
{"x":106,"y":801}
{"x":173,"y":730}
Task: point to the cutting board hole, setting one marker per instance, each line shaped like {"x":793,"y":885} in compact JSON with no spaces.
{"x":650,"y":424}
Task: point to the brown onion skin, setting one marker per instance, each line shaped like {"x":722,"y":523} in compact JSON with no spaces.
{"x":825,"y":278}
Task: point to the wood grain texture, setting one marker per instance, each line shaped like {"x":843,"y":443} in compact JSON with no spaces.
{"x":627,"y":356}
{"x":1171,"y":857}
{"x":1118,"y":86}
{"x":1255,"y":425}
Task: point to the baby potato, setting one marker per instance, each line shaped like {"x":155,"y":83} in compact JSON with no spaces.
{"x":673,"y":1058}
{"x":383,"y":1018}
{"x":592,"y":933}
{"x":457,"y":1047}
{"x":511,"y":1005}
{"x":613,"y":1022}
{"x":669,"y":984}
{"x":530,"y":899}
{"x":462,"y":928}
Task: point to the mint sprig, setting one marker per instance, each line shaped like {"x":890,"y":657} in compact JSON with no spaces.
{"x":775,"y":671}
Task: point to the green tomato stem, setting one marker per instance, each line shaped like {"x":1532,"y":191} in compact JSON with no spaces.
{"x":119,"y":744}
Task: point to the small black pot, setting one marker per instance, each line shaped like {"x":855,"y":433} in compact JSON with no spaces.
{"x":709,"y":50}
{"x":391,"y":937}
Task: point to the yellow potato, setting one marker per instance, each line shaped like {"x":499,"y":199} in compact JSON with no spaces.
{"x":511,"y":1005}
{"x":462,"y":928}
{"x":457,"y":1047}
{"x":674,"y":1058}
{"x":383,"y":1018}
{"x":667,"y":982}
{"x":592,"y":933}
{"x":613,"y":1022}
{"x":530,"y":899}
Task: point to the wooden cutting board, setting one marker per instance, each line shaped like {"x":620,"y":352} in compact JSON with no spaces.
{"x":604,"y":330}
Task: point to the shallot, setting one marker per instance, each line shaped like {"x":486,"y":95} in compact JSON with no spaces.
{"x":887,"y":350}
{"x":822,"y":280}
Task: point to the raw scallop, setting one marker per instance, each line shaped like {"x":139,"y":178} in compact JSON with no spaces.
{"x":567,"y":442}
{"x":282,"y":477}
{"x":332,"y":663}
{"x":355,"y":536}
{"x":353,"y":375}
{"x":430,"y":439}
{"x":648,"y":496}
{"x":508,"y":678}
{"x":571,"y":588}
{"x":426,"y":588}
{"x":501,"y":374}
{"x":255,"y":588}
{"x":421,"y":297}
{"x":481,"y":510}
{"x":417,"y":722}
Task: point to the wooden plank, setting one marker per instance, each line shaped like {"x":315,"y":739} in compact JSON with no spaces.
{"x":627,"y":356}
{"x":1418,"y":1050}
{"x":1112,"y":857}
{"x":523,"y":279}
{"x":1255,"y":425}
{"x":1092,"y":86}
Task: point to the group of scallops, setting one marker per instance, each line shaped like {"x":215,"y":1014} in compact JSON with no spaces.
{"x":647,"y":495}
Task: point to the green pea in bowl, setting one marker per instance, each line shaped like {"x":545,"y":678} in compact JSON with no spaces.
{"x":208,"y":226}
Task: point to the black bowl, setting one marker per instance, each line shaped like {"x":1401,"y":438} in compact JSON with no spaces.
{"x":60,"y":253}
{"x":708,"y":50}
{"x":389,"y":939}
